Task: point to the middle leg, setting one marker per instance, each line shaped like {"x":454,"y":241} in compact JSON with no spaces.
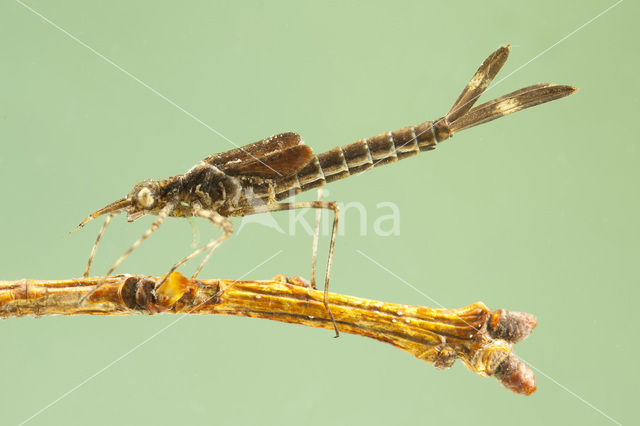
{"x":222,"y":222}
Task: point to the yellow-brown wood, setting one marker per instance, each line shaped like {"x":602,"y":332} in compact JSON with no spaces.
{"x":480,"y":338}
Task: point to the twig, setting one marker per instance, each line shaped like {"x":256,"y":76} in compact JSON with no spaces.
{"x":480,"y":338}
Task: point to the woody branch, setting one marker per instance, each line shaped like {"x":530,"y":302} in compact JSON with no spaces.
{"x":480,"y":338}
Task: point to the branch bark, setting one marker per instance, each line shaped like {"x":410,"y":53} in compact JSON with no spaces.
{"x":482,"y":339}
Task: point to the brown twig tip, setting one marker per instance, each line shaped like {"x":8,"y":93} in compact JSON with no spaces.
{"x":516,"y":376}
{"x":511,"y":326}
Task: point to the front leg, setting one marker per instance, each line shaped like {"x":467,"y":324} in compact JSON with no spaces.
{"x":164,"y":213}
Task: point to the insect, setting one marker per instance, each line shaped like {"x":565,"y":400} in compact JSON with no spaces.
{"x":257,"y":177}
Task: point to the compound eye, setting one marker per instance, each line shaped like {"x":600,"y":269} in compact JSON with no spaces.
{"x":145,"y":198}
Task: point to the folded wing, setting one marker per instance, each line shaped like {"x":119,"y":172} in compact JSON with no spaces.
{"x":278,"y":156}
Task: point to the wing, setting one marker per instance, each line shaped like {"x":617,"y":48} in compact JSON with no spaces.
{"x":277,"y":156}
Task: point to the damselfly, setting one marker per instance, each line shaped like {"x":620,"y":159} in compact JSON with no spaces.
{"x":257,"y":177}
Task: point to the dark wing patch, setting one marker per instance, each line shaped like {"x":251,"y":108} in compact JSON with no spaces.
{"x":273,"y":165}
{"x":256,"y":149}
{"x":277,"y":156}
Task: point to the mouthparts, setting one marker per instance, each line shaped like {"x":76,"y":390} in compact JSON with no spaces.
{"x":116,"y":206}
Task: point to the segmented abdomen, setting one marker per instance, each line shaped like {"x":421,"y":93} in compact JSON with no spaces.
{"x":365,"y":154}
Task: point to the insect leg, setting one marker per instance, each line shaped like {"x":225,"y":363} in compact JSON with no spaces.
{"x":329,"y":205}
{"x":162,"y":215}
{"x":316,"y":237}
{"x":95,"y":245}
{"x":204,"y":261}
{"x":221,"y":222}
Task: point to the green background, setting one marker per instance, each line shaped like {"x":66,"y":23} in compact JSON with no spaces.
{"x":535,"y":212}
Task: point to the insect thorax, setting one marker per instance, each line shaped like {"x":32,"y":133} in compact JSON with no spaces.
{"x":215,"y":190}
